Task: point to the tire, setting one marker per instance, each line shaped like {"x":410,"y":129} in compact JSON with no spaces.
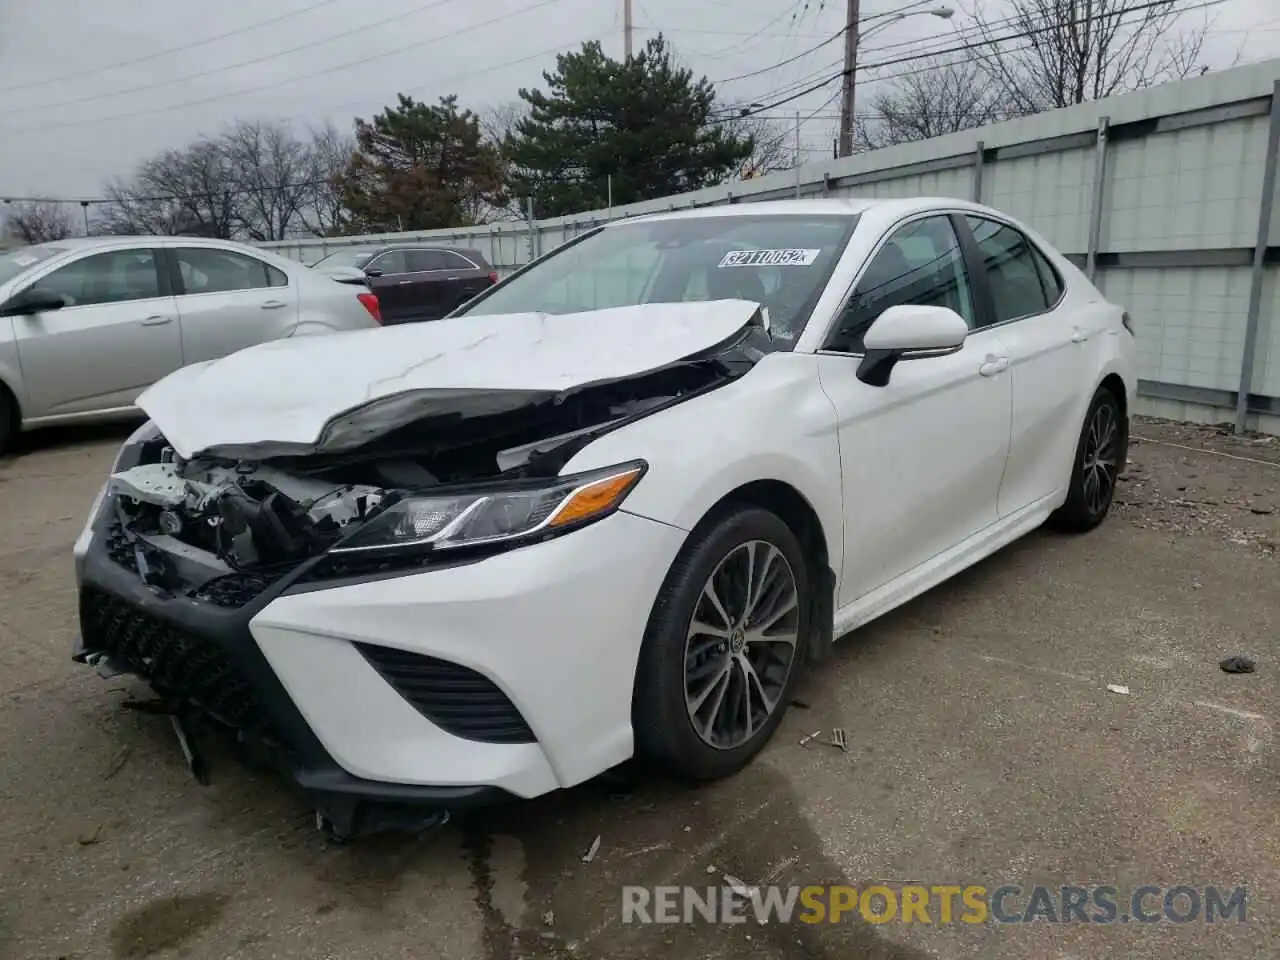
{"x":1097,"y":463}
{"x":663,"y":714}
{"x":8,"y":421}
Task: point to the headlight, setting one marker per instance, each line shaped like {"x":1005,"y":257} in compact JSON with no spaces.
{"x":479,"y":517}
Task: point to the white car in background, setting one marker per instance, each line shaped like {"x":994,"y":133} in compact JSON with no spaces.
{"x":608,"y":508}
{"x":87,"y":324}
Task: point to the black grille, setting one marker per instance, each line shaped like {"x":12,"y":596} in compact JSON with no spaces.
{"x":119,"y":549}
{"x":236,"y":589}
{"x":177,"y":663}
{"x":456,"y":699}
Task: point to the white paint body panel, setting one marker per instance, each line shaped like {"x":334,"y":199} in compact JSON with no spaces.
{"x":556,"y":626}
{"x":286,"y":392}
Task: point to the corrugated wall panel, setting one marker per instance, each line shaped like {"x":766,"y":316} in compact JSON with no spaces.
{"x":1195,"y":188}
{"x":1061,"y":214}
{"x":1266,"y":377}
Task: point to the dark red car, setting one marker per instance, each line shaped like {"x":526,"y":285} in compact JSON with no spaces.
{"x":415,"y":283}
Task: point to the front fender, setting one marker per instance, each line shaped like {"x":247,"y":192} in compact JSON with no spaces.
{"x":773,"y":423}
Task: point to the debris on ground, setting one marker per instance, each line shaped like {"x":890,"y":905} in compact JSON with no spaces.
{"x":805,"y":741}
{"x":838,"y":739}
{"x":117,"y":763}
{"x":1237,"y":665}
{"x":799,"y":704}
{"x":549,"y":918}
{"x":1118,"y":688}
{"x":591,"y":854}
{"x":737,"y":886}
{"x":89,"y":839}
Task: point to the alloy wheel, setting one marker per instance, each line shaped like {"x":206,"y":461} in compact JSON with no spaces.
{"x":741,"y":644}
{"x":1101,"y":458}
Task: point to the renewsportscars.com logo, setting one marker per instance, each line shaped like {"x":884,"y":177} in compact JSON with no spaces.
{"x":935,"y":905}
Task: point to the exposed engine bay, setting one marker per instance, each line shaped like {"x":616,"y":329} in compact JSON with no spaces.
{"x":191,"y":521}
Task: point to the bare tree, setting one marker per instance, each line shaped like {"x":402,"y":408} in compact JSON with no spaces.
{"x":39,"y":221}
{"x":499,"y":123}
{"x":271,"y":172}
{"x":329,"y":154}
{"x":1044,"y":54}
{"x":190,"y":191}
{"x":772,"y":145}
{"x":946,"y":96}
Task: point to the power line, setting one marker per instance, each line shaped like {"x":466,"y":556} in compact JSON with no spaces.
{"x":958,"y":49}
{"x":156,"y":55}
{"x":327,"y":71}
{"x":213,"y":71}
{"x":782,"y":63}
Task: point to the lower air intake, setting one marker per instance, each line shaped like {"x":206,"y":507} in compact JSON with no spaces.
{"x":455,"y":698}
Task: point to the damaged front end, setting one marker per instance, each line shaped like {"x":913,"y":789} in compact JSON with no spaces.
{"x":185,"y":552}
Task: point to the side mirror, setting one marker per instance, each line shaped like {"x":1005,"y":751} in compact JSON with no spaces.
{"x":32,"y":301}
{"x":909,"y":332}
{"x":345,"y":274}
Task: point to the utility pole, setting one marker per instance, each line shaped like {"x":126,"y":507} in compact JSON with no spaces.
{"x":797,"y":154}
{"x":626,"y":27}
{"x":850,"y":66}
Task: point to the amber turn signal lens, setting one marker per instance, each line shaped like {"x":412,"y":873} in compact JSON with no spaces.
{"x":594,"y":498}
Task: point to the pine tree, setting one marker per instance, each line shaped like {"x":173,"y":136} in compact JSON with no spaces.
{"x":421,"y":167}
{"x":644,"y":122}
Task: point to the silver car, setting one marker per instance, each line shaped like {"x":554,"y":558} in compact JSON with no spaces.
{"x":87,"y":324}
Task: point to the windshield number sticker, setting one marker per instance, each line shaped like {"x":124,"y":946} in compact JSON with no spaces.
{"x":769,"y":258}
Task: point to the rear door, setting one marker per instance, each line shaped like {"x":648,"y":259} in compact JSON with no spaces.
{"x":1048,"y":353}
{"x":455,"y":276}
{"x":117,"y":334}
{"x":398,"y":296}
{"x":228,"y":300}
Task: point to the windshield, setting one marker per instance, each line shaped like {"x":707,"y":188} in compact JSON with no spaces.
{"x":346,"y":258}
{"x":782,"y":261}
{"x":15,"y":262}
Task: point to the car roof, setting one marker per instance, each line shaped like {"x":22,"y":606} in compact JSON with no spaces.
{"x":846,"y":206}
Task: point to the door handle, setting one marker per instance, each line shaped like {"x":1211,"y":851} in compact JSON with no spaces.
{"x":273,"y":304}
{"x":1080,"y":336}
{"x":994,"y":366}
{"x":403,"y":282}
{"x":156,"y":320}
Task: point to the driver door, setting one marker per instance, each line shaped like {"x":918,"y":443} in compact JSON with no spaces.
{"x":117,"y":335}
{"x":922,"y":457}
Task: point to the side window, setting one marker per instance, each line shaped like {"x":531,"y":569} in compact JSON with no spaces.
{"x":1017,"y":284}
{"x":456,"y":261}
{"x":422,"y":260}
{"x":1049,"y":278}
{"x":390,"y":263}
{"x":919,"y":264}
{"x":208,"y":270}
{"x":114,"y":277}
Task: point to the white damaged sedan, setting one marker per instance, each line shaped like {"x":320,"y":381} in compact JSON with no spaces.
{"x":609,"y":508}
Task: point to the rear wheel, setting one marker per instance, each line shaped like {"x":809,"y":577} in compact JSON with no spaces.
{"x":8,"y":420}
{"x":723,"y":646}
{"x":1096,"y":466}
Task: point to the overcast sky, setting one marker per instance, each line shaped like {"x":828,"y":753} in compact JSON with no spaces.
{"x":74,"y":111}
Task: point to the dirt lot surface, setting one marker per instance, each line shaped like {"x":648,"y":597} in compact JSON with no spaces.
{"x":984,"y":747}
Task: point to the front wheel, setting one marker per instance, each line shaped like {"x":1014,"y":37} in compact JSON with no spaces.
{"x":1096,"y":466}
{"x":723,"y":646}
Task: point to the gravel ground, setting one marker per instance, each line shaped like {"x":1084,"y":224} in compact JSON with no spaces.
{"x":984,"y":747}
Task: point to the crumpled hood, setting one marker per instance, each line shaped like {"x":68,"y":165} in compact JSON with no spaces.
{"x":337,"y":391}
